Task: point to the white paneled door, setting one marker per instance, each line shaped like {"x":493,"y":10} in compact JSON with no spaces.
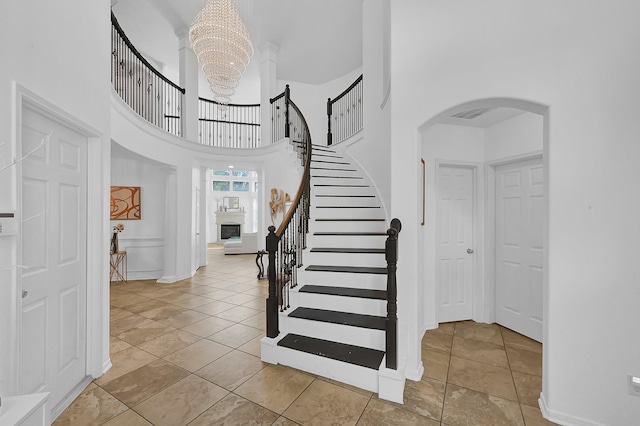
{"x":519,"y":251}
{"x":53,"y":333}
{"x":455,"y":265}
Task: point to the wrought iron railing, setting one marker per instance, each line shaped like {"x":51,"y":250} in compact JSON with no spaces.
{"x":344,"y":113}
{"x":285,"y":244}
{"x":228,"y":126}
{"x":141,"y":86}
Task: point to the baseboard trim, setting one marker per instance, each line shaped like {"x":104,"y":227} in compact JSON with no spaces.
{"x":70,"y":397}
{"x":562,"y":418}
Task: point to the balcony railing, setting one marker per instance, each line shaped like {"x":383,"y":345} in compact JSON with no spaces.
{"x":344,"y":113}
{"x":228,"y":126}
{"x":141,"y":86}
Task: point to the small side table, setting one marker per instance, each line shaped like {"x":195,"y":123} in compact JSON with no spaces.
{"x":118,"y":266}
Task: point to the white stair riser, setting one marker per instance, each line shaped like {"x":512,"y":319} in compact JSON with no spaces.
{"x":348,"y":213}
{"x":367,"y":338}
{"x":339,"y":190}
{"x":354,"y":375}
{"x":365,"y":241}
{"x":345,"y":226}
{"x":344,"y":201}
{"x":345,"y":259}
{"x":317,"y":175}
{"x":354,"y":305}
{"x":336,"y":180}
{"x":343,"y":279}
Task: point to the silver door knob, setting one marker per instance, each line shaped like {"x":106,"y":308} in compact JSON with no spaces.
{"x":470,"y":251}
{"x":25,"y":293}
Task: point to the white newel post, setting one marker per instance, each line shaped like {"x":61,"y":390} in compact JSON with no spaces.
{"x":189,"y":69}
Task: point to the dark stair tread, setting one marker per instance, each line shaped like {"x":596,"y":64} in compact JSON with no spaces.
{"x":344,"y":291}
{"x":356,"y":355}
{"x":347,"y":207}
{"x":349,"y":220}
{"x":329,"y":162}
{"x":327,"y":155}
{"x":344,"y":196}
{"x":349,"y":269}
{"x":352,"y":234}
{"x":335,"y":317}
{"x":337,"y":177}
{"x":347,"y":250}
{"x":334,"y":169}
{"x":340,"y":186}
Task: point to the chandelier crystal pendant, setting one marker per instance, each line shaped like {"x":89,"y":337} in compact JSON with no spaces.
{"x":223,"y":47}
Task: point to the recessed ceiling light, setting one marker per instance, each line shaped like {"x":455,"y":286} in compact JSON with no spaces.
{"x":230,"y":166}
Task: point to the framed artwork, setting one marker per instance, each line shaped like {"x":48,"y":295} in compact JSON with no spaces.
{"x":125,"y":203}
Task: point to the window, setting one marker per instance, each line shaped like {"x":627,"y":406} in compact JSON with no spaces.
{"x":241,"y":186}
{"x":220,"y":185}
{"x":240,"y":173}
{"x":221,"y":172}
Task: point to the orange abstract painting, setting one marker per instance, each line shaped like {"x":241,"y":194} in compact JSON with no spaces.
{"x":125,"y":202}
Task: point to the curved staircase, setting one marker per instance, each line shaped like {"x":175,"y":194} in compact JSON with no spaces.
{"x":335,"y":324}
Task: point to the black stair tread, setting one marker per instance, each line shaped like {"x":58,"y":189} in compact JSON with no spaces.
{"x":340,"y":185}
{"x":356,"y":355}
{"x":349,"y":269}
{"x":349,"y":220}
{"x":327,"y":155}
{"x":335,"y":317}
{"x":329,"y":162}
{"x":344,"y":196}
{"x":351,"y":233}
{"x":344,"y":291}
{"x":334,"y":169}
{"x":347,"y":250}
{"x":347,"y":207}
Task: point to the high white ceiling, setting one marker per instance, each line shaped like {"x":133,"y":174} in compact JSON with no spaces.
{"x":319,"y":40}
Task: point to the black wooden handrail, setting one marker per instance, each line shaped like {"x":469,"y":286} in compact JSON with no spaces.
{"x":348,"y":113}
{"x":285,"y":245}
{"x":391,"y":322}
{"x":118,"y":28}
{"x":150,"y":94}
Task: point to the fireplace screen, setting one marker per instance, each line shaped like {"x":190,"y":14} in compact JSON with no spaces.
{"x":229,"y":230}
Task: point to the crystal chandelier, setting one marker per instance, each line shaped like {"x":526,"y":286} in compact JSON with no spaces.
{"x":223,"y":47}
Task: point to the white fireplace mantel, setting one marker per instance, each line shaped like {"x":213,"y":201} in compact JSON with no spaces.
{"x":234,"y":217}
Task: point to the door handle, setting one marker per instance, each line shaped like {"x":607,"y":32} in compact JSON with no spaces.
{"x":470,"y":251}
{"x":25,"y":293}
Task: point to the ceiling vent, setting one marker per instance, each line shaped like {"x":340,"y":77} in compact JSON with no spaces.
{"x":472,"y":113}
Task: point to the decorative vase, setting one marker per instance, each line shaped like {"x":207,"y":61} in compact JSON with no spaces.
{"x":114,"y":242}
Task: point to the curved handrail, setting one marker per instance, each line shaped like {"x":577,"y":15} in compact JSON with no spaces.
{"x":346,"y":109}
{"x":347,"y":90}
{"x":138,"y":55}
{"x":306,"y":175}
{"x":228,"y":125}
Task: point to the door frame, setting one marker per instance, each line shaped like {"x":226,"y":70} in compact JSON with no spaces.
{"x":477,"y":306}
{"x":489,"y":292}
{"x":97,"y":350}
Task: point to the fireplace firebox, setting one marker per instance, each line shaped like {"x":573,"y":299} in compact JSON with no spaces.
{"x":229,"y":230}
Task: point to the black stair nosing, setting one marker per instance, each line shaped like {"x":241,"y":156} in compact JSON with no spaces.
{"x":337,"y":177}
{"x":349,"y":250}
{"x":329,"y":156}
{"x":347,"y":207}
{"x":329,"y":162}
{"x":347,"y":269}
{"x":351,"y":233}
{"x":362,"y":293}
{"x":349,"y":220}
{"x":330,"y":168}
{"x":333,"y":185}
{"x":350,"y":354}
{"x":344,"y":196}
{"x":371,"y":322}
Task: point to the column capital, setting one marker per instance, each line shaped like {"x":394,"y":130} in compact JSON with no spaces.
{"x":268,"y":51}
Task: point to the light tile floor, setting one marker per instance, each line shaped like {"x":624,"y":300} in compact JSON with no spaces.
{"x":189,"y":353}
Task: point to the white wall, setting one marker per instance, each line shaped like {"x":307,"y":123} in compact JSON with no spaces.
{"x":36,"y":44}
{"x":142,"y":239}
{"x":520,"y":135}
{"x":572,"y":57}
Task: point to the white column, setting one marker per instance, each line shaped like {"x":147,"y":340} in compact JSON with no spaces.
{"x":189,"y":69}
{"x":170,"y":225}
{"x":268,"y":87}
